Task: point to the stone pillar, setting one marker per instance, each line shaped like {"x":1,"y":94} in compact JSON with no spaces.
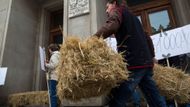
{"x":86,"y":24}
{"x":18,"y":39}
{"x":5,"y":6}
{"x":182,"y":14}
{"x":83,"y":25}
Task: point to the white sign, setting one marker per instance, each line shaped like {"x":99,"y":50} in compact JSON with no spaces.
{"x":78,"y":7}
{"x":174,"y":42}
{"x":3,"y":73}
{"x":42,"y":57}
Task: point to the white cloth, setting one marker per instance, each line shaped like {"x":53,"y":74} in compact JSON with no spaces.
{"x":112,"y":43}
{"x":53,"y":63}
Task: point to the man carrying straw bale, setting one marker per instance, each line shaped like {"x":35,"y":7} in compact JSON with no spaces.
{"x":132,"y":42}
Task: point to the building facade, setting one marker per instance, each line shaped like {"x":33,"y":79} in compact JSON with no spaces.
{"x":27,"y":24}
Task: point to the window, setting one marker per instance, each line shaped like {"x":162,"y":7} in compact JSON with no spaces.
{"x":159,"y":21}
{"x":155,"y":15}
{"x":56,"y":21}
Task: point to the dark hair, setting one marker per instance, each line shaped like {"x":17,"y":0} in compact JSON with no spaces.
{"x":118,"y":2}
{"x":54,"y":47}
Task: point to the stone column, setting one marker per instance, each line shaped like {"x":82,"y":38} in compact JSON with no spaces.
{"x":18,"y":39}
{"x":5,"y":6}
{"x":182,"y":14}
{"x":84,"y":25}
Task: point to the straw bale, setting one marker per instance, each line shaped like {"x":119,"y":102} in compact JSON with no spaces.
{"x":173,"y":83}
{"x":88,"y":68}
{"x":28,"y":98}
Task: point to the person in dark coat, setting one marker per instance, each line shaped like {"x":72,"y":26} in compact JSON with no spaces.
{"x":138,"y":51}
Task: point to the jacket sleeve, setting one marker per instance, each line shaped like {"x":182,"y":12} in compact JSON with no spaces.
{"x":150,"y":45}
{"x":54,"y":60}
{"x":111,"y":26}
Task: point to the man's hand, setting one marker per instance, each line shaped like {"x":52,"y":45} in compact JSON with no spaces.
{"x":155,"y":60}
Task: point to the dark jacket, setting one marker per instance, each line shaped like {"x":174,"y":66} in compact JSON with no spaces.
{"x":130,"y":37}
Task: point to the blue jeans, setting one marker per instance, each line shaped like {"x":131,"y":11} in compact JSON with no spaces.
{"x":136,"y":97}
{"x":52,"y":92}
{"x":143,"y":78}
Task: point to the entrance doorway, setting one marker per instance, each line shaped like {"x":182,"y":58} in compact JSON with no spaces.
{"x":51,"y":16}
{"x":56,"y":24}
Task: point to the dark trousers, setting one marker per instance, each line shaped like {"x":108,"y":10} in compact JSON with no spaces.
{"x":52,"y":92}
{"x":142,"y":78}
{"x":136,"y":97}
{"x":172,"y":104}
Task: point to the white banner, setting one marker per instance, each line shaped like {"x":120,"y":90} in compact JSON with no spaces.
{"x":3,"y":73}
{"x":173,"y":42}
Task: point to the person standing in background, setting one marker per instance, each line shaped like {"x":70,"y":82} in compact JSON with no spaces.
{"x":52,"y":76}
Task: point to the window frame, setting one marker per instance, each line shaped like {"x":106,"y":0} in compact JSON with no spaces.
{"x":170,"y":15}
{"x":145,"y":9}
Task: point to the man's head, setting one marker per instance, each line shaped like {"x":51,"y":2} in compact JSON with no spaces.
{"x":111,"y":4}
{"x":53,"y":47}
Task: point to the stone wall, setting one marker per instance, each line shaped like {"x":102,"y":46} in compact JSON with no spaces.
{"x":86,"y":24}
{"x":5,"y":7}
{"x":19,"y":47}
{"x":181,"y":12}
